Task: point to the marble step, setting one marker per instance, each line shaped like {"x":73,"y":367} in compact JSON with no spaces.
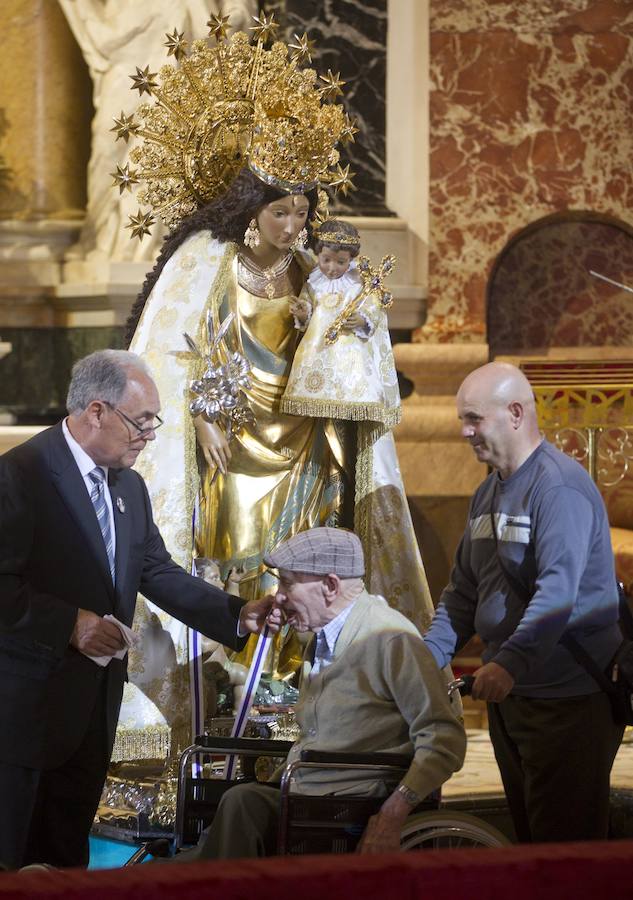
{"x":429,"y":422}
{"x":12,"y":435}
{"x":437,"y":370}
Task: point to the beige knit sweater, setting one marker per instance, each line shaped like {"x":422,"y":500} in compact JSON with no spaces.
{"x":382,"y":692}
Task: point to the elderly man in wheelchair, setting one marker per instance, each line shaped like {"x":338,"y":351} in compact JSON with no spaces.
{"x":369,"y":686}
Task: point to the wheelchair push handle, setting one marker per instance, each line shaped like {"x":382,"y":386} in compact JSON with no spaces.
{"x":463,"y":684}
{"x":159,"y":848}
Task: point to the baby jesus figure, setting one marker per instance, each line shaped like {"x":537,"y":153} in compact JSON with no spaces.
{"x":352,"y":377}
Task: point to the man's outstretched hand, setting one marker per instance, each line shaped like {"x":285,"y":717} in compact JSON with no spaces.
{"x":257,"y":613}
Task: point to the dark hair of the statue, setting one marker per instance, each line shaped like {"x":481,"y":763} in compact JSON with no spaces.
{"x":226,"y":218}
{"x":318,"y":244}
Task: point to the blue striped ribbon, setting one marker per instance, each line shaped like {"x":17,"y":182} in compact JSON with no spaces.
{"x":252,"y":682}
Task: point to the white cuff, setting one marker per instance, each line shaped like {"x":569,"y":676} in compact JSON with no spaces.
{"x":365,"y":331}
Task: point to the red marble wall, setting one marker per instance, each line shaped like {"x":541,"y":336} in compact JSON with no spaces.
{"x":542,"y":294}
{"x":531,"y":111}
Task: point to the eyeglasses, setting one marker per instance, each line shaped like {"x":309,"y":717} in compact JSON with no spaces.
{"x":142,"y":430}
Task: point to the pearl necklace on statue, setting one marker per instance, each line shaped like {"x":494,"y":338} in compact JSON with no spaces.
{"x":262,"y":281}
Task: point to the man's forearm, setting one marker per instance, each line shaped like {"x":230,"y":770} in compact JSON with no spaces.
{"x":448,"y":632}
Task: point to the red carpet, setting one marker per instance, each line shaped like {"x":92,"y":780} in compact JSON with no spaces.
{"x":546,"y":872}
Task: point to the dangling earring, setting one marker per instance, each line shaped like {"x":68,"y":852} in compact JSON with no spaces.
{"x":301,"y":240}
{"x":251,"y":235}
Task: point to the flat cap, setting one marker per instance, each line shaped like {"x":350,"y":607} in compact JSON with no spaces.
{"x":320,"y":551}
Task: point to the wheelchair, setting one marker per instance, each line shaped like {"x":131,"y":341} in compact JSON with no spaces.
{"x":324,"y":823}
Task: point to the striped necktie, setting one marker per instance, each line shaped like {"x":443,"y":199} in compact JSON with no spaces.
{"x":97,"y":476}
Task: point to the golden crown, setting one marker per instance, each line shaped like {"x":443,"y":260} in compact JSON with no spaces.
{"x":328,"y":232}
{"x":227,"y":106}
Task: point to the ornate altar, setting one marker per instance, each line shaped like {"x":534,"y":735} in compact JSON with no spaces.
{"x":586,"y":409}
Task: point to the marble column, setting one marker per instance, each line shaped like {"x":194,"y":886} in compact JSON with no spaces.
{"x":45,"y":111}
{"x":351,"y":38}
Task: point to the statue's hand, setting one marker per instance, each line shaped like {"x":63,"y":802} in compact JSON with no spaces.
{"x":354,"y":322}
{"x":232,"y":585}
{"x":300,"y":309}
{"x":213,"y":444}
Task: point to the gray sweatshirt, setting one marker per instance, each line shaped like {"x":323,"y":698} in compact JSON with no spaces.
{"x":553,"y":536}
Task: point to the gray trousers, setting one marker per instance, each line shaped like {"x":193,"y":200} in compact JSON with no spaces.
{"x":245,"y":824}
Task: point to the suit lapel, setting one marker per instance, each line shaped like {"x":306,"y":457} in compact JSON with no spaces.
{"x":121,"y":525}
{"x":72,"y":490}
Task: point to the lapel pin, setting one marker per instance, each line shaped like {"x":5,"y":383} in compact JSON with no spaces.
{"x":120,"y":504}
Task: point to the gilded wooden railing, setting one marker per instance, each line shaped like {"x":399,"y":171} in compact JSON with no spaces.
{"x":586,"y":409}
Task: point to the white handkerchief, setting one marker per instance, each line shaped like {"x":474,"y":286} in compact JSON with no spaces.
{"x":128,"y":636}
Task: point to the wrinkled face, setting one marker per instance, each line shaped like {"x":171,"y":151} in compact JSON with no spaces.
{"x":118,"y":441}
{"x":281,"y":221}
{"x":303,"y":600}
{"x":487,"y":426}
{"x":334,"y":263}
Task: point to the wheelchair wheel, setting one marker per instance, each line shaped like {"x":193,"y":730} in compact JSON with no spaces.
{"x":440,"y":828}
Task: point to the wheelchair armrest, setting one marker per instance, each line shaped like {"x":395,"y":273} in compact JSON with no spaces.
{"x":241,"y":745}
{"x":397,"y":760}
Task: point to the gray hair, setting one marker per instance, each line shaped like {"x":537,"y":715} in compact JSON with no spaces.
{"x":102,"y":376}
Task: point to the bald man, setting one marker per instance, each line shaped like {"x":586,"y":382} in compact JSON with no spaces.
{"x":534,"y":566}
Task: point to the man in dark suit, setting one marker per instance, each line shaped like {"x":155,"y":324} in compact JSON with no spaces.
{"x":77,"y":541}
